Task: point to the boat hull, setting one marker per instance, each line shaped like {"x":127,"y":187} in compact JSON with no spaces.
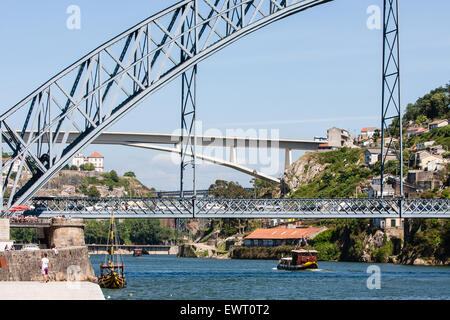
{"x":307,"y":265}
{"x":112,"y":281}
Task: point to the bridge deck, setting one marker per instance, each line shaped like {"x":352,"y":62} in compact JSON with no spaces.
{"x":89,"y":208}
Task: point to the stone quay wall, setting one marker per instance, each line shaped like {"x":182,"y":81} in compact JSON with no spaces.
{"x":68,"y":264}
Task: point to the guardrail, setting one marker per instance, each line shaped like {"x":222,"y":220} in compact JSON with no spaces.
{"x":90,"y":208}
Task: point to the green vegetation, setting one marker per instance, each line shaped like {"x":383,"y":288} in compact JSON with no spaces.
{"x":228,"y":190}
{"x":342,"y":174}
{"x":326,"y":248}
{"x":267,"y":253}
{"x":87,"y":167}
{"x":430,"y":239}
{"x":112,"y":180}
{"x":265,"y":189}
{"x":131,"y":231}
{"x":441,"y":136}
{"x":23,"y":235}
{"x":93,"y":192}
{"x":381,"y":254}
{"x":129,"y":174}
{"x":432,"y":106}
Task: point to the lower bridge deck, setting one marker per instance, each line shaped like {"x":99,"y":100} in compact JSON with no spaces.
{"x":89,"y":208}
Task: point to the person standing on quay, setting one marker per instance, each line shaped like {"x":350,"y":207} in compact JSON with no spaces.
{"x":44,"y":267}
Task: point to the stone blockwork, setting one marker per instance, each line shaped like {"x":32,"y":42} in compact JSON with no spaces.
{"x":71,"y":263}
{"x":4,"y":229}
{"x":66,"y":232}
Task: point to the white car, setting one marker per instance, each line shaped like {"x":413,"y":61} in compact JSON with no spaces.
{"x":30,"y":247}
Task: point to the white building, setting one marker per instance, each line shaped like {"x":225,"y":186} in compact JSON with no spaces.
{"x":371,"y":156}
{"x":368,"y":132}
{"x":96,"y":159}
{"x":338,"y":138}
{"x":437,"y":124}
{"x":78,"y":160}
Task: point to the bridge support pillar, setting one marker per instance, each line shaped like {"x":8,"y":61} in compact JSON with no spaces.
{"x":65,"y":232}
{"x":287,"y":158}
{"x":4,"y":234}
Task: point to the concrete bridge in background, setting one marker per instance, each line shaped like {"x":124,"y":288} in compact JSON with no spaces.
{"x":159,"y":142}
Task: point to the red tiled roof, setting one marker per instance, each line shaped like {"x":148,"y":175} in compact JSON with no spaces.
{"x":438,"y":121}
{"x":365,"y":129}
{"x":281,"y":233}
{"x":421,"y":130}
{"x":95,"y":155}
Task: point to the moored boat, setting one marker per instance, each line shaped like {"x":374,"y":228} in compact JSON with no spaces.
{"x":300,"y":260}
{"x":137,"y":252}
{"x":112,"y":274}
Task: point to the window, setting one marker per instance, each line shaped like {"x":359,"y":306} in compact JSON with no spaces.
{"x":393,"y":223}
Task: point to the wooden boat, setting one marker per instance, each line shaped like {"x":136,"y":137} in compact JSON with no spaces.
{"x":137,"y":252}
{"x":112,"y":274}
{"x":300,"y":260}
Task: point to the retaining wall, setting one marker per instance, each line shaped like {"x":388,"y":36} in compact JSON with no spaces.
{"x":71,"y":263}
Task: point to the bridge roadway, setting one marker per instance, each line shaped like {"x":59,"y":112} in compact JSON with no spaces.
{"x":89,"y":208}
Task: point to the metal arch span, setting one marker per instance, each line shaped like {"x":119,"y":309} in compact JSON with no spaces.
{"x":225,"y":163}
{"x":100,"y":88}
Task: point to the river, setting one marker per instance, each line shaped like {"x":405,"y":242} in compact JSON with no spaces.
{"x":166,"y":277}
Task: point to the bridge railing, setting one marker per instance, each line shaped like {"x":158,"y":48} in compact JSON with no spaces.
{"x":239,"y":208}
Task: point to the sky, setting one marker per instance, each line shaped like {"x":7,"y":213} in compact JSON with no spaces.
{"x":300,"y":76}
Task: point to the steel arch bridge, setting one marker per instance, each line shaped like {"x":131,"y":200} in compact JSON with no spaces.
{"x":103,"y":86}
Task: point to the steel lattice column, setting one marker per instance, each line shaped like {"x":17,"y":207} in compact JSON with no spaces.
{"x":391,"y":107}
{"x":188,"y":105}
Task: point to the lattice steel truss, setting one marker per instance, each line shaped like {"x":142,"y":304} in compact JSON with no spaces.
{"x":103,"y":86}
{"x":239,"y":208}
{"x":391,"y":107}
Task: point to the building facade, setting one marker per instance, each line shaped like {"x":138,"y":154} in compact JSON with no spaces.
{"x":95,"y":158}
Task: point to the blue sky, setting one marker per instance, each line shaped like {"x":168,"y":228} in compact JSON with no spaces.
{"x":302,"y":75}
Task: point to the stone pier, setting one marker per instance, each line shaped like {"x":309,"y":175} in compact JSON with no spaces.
{"x":4,"y":234}
{"x":65,"y":233}
{"x":69,"y":262}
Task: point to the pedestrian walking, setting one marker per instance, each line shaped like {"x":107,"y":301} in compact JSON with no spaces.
{"x":45,"y":263}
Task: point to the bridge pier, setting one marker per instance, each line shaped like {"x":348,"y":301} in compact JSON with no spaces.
{"x":4,"y":234}
{"x":64,"y":232}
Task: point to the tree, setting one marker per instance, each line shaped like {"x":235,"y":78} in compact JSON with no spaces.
{"x":73,"y":167}
{"x":113,"y":176}
{"x":229,"y":190}
{"x":129,"y":174}
{"x":434,"y":105}
{"x":421,"y":119}
{"x":376,"y":135}
{"x":87,"y":167}
{"x":93,"y":192}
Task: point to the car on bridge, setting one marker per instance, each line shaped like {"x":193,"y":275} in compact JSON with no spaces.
{"x":269,"y":207}
{"x":214,"y":207}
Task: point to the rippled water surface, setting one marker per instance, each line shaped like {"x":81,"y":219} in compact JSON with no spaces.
{"x":164,"y":277}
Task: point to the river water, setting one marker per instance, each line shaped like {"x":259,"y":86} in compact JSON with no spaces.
{"x":166,"y":277}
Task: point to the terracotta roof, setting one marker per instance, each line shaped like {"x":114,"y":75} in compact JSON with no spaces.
{"x":368,"y":128}
{"x":281,"y":233}
{"x":438,"y":121}
{"x":95,"y":155}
